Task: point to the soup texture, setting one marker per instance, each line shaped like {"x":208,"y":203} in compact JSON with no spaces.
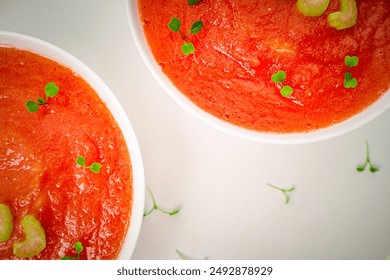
{"x":39,"y":176}
{"x":244,"y":43}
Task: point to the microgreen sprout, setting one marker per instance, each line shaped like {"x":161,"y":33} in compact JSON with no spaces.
{"x":181,"y":255}
{"x":78,"y":246}
{"x":156,"y":207}
{"x":94,"y":167}
{"x":184,"y":256}
{"x":193,"y":2}
{"x":284,"y":191}
{"x":349,"y":81}
{"x":279,"y":78}
{"x":187,"y":48}
{"x":362,"y":167}
{"x":51,"y":90}
{"x":351,"y":61}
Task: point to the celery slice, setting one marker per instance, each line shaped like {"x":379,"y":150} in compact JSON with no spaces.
{"x":35,"y":238}
{"x":6,"y":223}
{"x":312,"y":8}
{"x":344,"y":18}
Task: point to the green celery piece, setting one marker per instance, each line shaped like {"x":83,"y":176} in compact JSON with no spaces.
{"x":35,"y":240}
{"x":6,"y":223}
{"x":312,"y":8}
{"x":344,"y":18}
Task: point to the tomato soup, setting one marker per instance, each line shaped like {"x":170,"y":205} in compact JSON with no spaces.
{"x":39,"y":175}
{"x":244,"y":43}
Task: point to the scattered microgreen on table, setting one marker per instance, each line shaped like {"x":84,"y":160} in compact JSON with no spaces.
{"x":280,"y":78}
{"x":284,"y":191}
{"x":51,"y":90}
{"x":362,"y":167}
{"x":78,"y":246}
{"x":184,"y":256}
{"x":349,"y":81}
{"x":175,"y":24}
{"x":94,"y":167}
{"x":156,"y":207}
{"x":181,"y":255}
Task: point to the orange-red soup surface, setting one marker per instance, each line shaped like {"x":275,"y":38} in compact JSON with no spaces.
{"x":244,"y":42}
{"x":38,"y":152}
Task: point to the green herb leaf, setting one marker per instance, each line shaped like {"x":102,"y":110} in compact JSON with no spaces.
{"x":192,"y":2}
{"x":373,"y":169}
{"x":66,"y":258}
{"x":32,"y":106}
{"x":41,"y":101}
{"x":350,"y":82}
{"x":51,"y":89}
{"x":286,"y":91}
{"x":187,"y":48}
{"x":351,"y":61}
{"x":174,"y":212}
{"x":279,"y":77}
{"x":361,"y":168}
{"x":80,"y":161}
{"x":196,"y":27}
{"x":95,"y":167}
{"x":174,"y":24}
{"x":78,"y":246}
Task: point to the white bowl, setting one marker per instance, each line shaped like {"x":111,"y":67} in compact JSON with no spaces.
{"x":48,"y":50}
{"x":273,"y":138}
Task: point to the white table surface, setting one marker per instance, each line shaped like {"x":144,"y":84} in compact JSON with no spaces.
{"x":219,"y":181}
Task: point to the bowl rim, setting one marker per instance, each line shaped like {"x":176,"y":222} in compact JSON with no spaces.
{"x":46,"y":49}
{"x":346,"y":126}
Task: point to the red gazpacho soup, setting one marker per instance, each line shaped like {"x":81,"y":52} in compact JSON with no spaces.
{"x":65,"y":171}
{"x":273,"y":66}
